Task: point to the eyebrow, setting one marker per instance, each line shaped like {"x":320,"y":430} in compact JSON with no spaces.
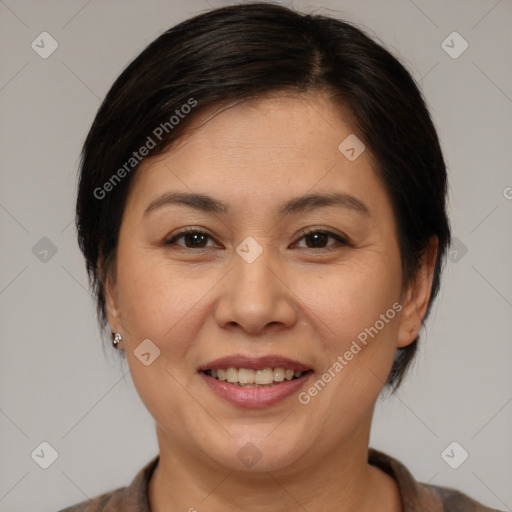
{"x":208,"y":204}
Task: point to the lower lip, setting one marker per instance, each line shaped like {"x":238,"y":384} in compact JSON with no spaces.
{"x":255,"y":397}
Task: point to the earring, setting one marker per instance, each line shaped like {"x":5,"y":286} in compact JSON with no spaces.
{"x":116,"y":339}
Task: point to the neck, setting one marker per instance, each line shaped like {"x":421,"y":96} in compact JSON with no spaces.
{"x":339,"y":480}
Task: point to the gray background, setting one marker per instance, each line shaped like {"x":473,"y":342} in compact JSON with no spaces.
{"x":56,"y":385}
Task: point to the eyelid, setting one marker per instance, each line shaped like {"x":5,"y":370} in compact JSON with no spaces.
{"x":327,"y":231}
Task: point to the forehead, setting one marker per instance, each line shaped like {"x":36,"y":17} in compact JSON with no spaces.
{"x":264,"y":148}
{"x":303,"y":126}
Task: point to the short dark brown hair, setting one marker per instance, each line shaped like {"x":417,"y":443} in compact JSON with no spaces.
{"x":241,"y":52}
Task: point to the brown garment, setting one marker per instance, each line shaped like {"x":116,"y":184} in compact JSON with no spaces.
{"x":416,"y":497}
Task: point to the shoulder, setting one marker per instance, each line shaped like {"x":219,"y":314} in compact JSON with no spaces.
{"x":103,"y":503}
{"x":418,"y":496}
{"x":456,"y":501}
{"x":133,"y":498}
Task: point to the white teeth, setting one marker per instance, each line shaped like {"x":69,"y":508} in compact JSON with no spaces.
{"x":232,"y":375}
{"x":278,"y":375}
{"x":265,"y":376}
{"x":254,"y":378}
{"x":246,"y":376}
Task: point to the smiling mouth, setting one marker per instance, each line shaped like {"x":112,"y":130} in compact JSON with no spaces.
{"x":249,"y":378}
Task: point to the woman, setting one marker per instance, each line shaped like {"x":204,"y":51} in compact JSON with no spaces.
{"x":262,"y":212}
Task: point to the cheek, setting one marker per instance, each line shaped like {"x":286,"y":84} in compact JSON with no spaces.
{"x":156,"y":301}
{"x":360,"y":311}
{"x":352,"y":298}
{"x":163,"y":390}
{"x":359,"y":308}
{"x":157,"y":305}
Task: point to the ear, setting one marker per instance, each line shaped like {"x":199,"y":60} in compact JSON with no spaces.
{"x":112,"y":298}
{"x":416,"y":298}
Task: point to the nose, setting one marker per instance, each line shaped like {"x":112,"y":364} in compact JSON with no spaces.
{"x":255,"y":295}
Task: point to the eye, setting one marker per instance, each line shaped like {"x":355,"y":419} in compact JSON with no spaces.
{"x":196,"y":238}
{"x":320,"y":237}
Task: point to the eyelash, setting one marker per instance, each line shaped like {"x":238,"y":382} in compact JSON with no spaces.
{"x":192,"y":231}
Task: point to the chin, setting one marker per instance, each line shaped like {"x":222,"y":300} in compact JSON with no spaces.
{"x":259,"y":450}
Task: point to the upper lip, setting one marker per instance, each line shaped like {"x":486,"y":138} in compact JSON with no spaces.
{"x":255,"y":363}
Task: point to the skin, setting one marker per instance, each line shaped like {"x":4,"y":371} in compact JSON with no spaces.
{"x":300,"y":300}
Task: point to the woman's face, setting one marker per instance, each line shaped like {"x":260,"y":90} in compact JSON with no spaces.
{"x":257,"y":292}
